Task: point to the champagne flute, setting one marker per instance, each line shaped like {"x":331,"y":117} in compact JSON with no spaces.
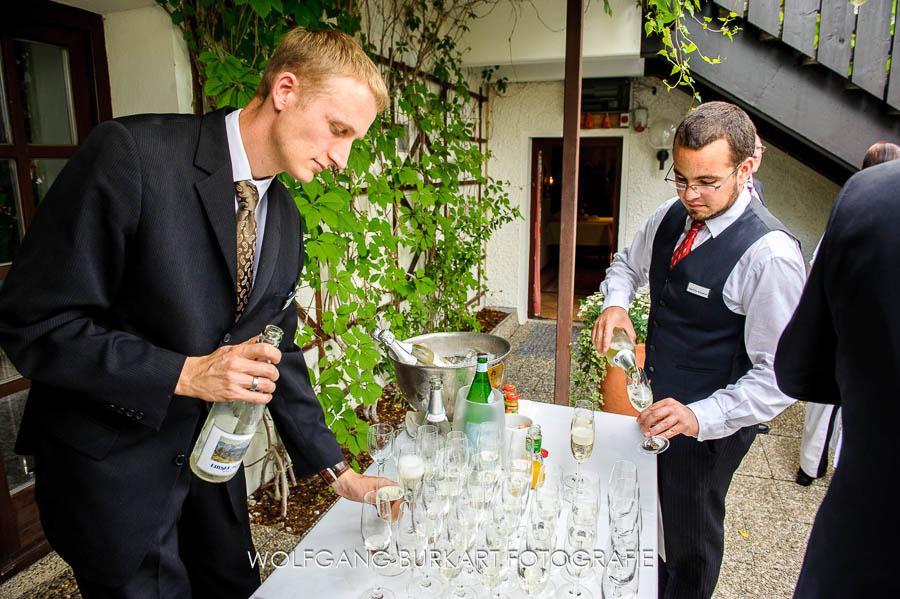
{"x":376,"y":535}
{"x":491,"y":564}
{"x":380,"y":441}
{"x":581,"y":437}
{"x":581,"y":531}
{"x":641,"y":397}
{"x":451,"y":550}
{"x":410,"y":471}
{"x":533,"y":565}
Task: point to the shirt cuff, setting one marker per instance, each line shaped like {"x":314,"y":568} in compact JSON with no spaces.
{"x":710,"y":420}
{"x":618,"y":299}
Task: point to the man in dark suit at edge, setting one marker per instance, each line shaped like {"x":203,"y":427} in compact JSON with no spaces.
{"x":842,"y":347}
{"x":724,"y":277}
{"x":125,"y":308}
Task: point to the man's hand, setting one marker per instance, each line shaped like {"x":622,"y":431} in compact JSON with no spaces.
{"x":668,"y":418}
{"x":227,"y":374}
{"x":354,"y":485}
{"x":610,"y":319}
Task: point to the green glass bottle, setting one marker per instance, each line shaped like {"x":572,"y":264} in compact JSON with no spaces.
{"x":480,"y":391}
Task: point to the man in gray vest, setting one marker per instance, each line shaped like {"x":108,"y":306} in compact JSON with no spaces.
{"x":725,"y":277}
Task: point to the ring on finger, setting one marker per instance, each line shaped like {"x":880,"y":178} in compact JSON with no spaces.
{"x":254,"y":384}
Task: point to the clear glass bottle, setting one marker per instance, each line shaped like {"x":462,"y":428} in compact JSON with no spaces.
{"x":436,"y":414}
{"x":419,"y":352}
{"x":480,"y":391}
{"x":621,"y":354}
{"x":387,"y":339}
{"x":228,"y":430}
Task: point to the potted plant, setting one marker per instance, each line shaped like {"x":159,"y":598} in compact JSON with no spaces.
{"x":591,"y":378}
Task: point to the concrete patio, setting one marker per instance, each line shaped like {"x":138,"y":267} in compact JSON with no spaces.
{"x":768,"y":520}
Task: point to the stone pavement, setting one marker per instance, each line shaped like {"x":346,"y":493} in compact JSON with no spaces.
{"x":768,"y":519}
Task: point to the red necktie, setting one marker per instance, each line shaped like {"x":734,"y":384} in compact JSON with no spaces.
{"x":685,"y":248}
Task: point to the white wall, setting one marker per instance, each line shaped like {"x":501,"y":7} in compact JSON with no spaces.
{"x":149,"y":68}
{"x":528,"y":39}
{"x":800,"y":197}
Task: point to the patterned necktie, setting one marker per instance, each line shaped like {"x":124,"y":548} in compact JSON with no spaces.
{"x":248,"y":197}
{"x":685,"y":248}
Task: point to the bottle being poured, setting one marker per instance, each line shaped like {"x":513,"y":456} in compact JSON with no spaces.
{"x":408,"y":353}
{"x":621,"y":354}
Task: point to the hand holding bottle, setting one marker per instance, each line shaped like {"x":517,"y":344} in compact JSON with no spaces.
{"x":229,"y":373}
{"x":614,"y":317}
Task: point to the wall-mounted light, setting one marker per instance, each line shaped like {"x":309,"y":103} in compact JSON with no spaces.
{"x":640,"y":119}
{"x":662,"y":134}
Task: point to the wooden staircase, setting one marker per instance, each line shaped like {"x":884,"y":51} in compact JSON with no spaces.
{"x":817,"y":79}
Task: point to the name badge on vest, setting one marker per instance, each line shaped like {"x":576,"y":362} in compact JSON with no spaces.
{"x":698,"y":290}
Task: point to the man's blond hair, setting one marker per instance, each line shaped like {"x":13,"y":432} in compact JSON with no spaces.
{"x":315,"y":56}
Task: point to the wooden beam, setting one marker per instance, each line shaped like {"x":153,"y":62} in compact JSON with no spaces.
{"x":571,"y":130}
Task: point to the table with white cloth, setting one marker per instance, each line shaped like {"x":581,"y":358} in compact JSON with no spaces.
{"x":330,"y":561}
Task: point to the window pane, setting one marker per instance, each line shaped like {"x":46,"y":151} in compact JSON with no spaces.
{"x":43,"y":71}
{"x":19,"y":469}
{"x":9,"y":212}
{"x":43,"y":173}
{"x":5,"y":136}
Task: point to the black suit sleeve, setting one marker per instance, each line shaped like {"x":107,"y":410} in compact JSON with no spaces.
{"x":296,"y":409}
{"x":57,"y":304}
{"x":805,"y":360}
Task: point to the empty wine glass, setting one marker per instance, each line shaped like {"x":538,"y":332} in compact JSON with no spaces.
{"x":581,"y":531}
{"x":451,"y":553}
{"x":380,"y":441}
{"x":376,"y":535}
{"x":491,"y":563}
{"x":533,"y":565}
{"x":415,"y":533}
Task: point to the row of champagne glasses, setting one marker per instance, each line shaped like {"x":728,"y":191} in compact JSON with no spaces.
{"x":457,"y":498}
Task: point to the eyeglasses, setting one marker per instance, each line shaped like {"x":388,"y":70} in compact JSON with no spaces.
{"x":701,"y":189}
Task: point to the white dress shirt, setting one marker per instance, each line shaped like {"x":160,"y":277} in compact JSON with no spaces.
{"x":240,"y":167}
{"x":764,"y":286}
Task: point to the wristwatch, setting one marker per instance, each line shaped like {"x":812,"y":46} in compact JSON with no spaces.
{"x":330,"y":475}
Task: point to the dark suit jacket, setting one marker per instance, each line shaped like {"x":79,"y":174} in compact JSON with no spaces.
{"x":842,"y":346}
{"x":128,"y":267}
{"x":759,"y":190}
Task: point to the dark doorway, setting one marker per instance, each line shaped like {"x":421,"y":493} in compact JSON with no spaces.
{"x":599,"y":183}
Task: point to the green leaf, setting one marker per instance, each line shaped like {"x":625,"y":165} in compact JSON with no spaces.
{"x":261,"y":7}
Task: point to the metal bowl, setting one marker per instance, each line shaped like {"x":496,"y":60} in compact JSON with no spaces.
{"x":413,"y":379}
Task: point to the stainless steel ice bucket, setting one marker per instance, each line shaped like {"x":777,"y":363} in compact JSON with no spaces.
{"x":413,"y":380}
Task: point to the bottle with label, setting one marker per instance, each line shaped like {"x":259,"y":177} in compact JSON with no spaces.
{"x":480,"y":391}
{"x":228,"y":430}
{"x":436,"y":414}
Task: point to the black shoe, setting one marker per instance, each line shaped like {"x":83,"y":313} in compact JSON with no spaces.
{"x":803,"y":478}
{"x":763,"y":429}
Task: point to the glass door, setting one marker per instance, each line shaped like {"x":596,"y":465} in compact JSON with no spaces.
{"x":52,"y":71}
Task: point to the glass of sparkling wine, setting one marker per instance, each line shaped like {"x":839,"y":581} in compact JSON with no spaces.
{"x":376,"y":535}
{"x":582,"y":438}
{"x":410,"y":471}
{"x":380,"y":441}
{"x":641,"y":396}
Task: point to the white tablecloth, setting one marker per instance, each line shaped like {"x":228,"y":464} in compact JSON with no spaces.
{"x":329,"y":563}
